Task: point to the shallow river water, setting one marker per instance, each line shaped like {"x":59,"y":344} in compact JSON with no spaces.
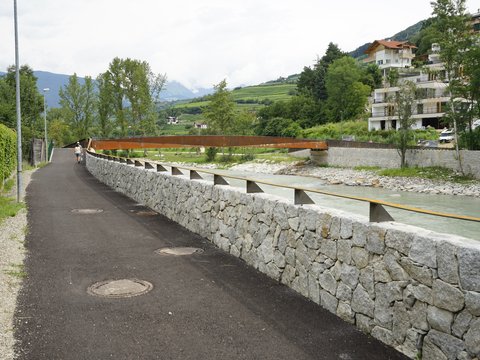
{"x":459,"y":205}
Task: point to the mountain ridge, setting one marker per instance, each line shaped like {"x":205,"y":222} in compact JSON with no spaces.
{"x":173,"y":90}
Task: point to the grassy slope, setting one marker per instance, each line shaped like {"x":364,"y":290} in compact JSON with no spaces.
{"x":273,"y":92}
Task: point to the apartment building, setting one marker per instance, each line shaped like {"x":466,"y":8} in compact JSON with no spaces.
{"x":432,"y":98}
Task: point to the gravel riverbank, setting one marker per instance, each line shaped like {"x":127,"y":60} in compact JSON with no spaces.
{"x":12,"y":255}
{"x":351,"y":177}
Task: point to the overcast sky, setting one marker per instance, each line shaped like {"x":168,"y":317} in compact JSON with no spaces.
{"x":198,"y":42}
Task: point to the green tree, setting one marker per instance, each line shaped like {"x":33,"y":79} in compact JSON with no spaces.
{"x":281,"y":127}
{"x":427,"y":35}
{"x":312,"y":82}
{"x":470,"y":91}
{"x":455,"y":39}
{"x":31,"y":102}
{"x":115,"y":93}
{"x":347,"y":96}
{"x":245,"y":123}
{"x":59,"y":130}
{"x":104,"y":106}
{"x":372,"y":76}
{"x":129,"y":91}
{"x":404,"y":101}
{"x":392,"y":77}
{"x":78,"y":104}
{"x":220,"y":112}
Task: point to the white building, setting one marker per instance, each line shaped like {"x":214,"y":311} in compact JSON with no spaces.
{"x":172,"y":120}
{"x":432,"y":97}
{"x":388,"y":54}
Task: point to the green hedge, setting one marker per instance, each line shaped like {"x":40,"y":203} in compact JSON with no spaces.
{"x":8,"y":152}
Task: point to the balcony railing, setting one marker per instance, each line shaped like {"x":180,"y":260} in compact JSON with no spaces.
{"x":415,"y":112}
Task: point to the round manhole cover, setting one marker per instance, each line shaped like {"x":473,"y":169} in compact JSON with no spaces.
{"x":179,"y":251}
{"x":87,"y":211}
{"x":120,"y":288}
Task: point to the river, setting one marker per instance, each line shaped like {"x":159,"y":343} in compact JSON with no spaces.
{"x":460,"y":205}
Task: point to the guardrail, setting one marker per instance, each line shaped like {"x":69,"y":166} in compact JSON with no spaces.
{"x":377,"y":211}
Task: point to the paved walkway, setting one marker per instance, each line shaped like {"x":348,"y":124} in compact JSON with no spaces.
{"x":206,"y":306}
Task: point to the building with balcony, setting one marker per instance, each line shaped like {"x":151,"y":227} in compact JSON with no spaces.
{"x":431,"y":82}
{"x":388,"y":54}
{"x":431,"y":96}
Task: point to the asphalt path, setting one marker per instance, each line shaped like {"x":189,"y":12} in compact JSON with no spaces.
{"x":203,"y":306}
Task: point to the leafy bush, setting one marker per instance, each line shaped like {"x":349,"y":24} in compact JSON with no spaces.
{"x":280,"y":127}
{"x":211,"y":153}
{"x":359,"y":129}
{"x":8,"y":152}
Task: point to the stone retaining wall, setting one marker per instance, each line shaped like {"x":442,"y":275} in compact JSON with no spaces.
{"x":414,"y":290}
{"x":389,"y":158}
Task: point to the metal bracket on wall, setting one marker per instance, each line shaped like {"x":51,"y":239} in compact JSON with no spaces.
{"x":176,"y":171}
{"x":252,"y":187}
{"x":148,"y":165}
{"x":379,"y":214}
{"x":130,"y":162}
{"x":160,"y":168}
{"x":219,"y":180}
{"x":138,"y":163}
{"x":195,"y":175}
{"x":301,"y":198}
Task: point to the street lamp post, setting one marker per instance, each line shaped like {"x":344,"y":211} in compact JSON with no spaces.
{"x":45,"y":117}
{"x":19,"y":113}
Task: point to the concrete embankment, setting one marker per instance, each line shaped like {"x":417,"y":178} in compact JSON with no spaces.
{"x":413,"y":289}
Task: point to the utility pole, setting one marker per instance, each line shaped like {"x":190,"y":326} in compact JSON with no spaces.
{"x":19,"y":112}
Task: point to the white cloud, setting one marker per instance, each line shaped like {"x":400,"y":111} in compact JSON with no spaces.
{"x":197,"y":42}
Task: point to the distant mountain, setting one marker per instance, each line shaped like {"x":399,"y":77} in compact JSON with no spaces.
{"x":404,"y":35}
{"x":54,"y":82}
{"x":173,"y":90}
{"x":176,"y":91}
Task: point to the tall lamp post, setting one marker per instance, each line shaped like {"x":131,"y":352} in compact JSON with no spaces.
{"x":45,"y":117}
{"x":19,"y":113}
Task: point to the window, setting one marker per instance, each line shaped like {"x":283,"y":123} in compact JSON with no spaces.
{"x":380,"y":62}
{"x":419,"y":108}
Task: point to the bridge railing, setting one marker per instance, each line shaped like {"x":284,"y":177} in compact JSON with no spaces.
{"x":377,"y":211}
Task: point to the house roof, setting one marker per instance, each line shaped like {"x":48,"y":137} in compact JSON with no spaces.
{"x":389,"y":45}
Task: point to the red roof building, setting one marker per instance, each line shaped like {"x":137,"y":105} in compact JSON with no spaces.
{"x":388,"y":54}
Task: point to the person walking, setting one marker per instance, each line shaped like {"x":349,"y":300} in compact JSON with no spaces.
{"x":78,"y":152}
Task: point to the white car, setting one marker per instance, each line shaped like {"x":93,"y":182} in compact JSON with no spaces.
{"x":446,"y":136}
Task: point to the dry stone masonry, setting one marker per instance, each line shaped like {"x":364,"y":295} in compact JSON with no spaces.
{"x":413,"y":289}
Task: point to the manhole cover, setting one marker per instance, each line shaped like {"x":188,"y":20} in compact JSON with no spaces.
{"x":179,"y":251}
{"x":87,"y":211}
{"x":120,"y":288}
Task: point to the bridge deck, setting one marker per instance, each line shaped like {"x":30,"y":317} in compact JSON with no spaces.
{"x":208,"y":306}
{"x":178,"y":141}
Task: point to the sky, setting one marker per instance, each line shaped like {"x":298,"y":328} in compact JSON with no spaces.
{"x":198,"y":42}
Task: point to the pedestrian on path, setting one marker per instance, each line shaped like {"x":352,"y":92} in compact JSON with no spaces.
{"x":78,"y":152}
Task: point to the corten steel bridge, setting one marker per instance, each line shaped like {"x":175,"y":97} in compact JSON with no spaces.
{"x":178,"y":141}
